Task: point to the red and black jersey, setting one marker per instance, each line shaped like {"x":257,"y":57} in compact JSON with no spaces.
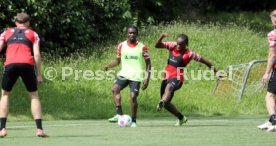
{"x":20,"y":41}
{"x":178,"y":60}
{"x":272,"y":41}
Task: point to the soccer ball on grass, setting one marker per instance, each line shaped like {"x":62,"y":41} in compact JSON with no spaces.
{"x":124,"y":121}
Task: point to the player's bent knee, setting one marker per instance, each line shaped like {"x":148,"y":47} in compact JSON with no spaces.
{"x":134,"y":94}
{"x":167,"y":104}
{"x":169,"y":88}
{"x":5,"y":93}
{"x":115,"y":89}
{"x":34,"y":95}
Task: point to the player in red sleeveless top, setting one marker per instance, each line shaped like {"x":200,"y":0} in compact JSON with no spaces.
{"x":179,"y":57}
{"x":270,"y":78}
{"x":22,"y":60}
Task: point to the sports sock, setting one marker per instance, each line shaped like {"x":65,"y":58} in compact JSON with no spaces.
{"x":133,"y":118}
{"x":38,"y":123}
{"x":179,"y":116}
{"x":272,"y":119}
{"x":3,"y":123}
{"x":119,"y":110}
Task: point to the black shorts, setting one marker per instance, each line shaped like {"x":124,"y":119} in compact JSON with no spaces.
{"x":123,"y":82}
{"x":25,"y":71}
{"x":177,"y":84}
{"x":272,"y":82}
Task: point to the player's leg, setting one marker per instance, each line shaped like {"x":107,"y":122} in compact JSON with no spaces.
{"x":270,"y":104}
{"x":160,"y":105}
{"x":119,"y":85}
{"x":4,"y":110}
{"x":134,"y":89}
{"x":172,"y":109}
{"x":167,"y":88}
{"x":10,"y":76}
{"x":29,"y":79}
{"x":37,"y":114}
{"x":172,"y":85}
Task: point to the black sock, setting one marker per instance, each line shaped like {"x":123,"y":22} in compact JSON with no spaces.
{"x":119,"y":110}
{"x":272,"y":119}
{"x":179,"y":116}
{"x":38,"y":123}
{"x":133,"y":118}
{"x":3,"y":123}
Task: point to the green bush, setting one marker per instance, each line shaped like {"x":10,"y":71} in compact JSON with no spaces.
{"x":69,"y":26}
{"x":76,"y":26}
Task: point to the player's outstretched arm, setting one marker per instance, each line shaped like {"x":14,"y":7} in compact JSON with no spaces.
{"x":158,"y":43}
{"x":209,"y":64}
{"x":148,"y":72}
{"x":114,"y":63}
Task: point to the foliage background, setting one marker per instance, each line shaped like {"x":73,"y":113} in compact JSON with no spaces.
{"x":75,"y":26}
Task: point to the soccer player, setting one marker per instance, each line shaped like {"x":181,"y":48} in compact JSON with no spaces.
{"x":22,"y":59}
{"x":130,"y":54}
{"x":179,"y":57}
{"x":270,"y":77}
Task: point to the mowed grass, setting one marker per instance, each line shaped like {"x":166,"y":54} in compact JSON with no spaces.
{"x":207,"y":131}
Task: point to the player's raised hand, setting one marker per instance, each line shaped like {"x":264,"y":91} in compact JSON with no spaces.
{"x":164,"y":35}
{"x":220,"y":75}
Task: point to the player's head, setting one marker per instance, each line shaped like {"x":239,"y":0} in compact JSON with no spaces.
{"x":182,"y":42}
{"x":273,"y":17}
{"x":132,"y":33}
{"x":22,"y":18}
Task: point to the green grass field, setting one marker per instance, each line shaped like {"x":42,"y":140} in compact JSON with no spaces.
{"x":203,"y":131}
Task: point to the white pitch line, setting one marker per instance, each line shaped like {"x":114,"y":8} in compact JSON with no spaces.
{"x":106,"y":122}
{"x":46,"y":125}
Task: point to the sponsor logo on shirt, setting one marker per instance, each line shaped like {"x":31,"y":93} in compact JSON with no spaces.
{"x":173,"y":59}
{"x":132,"y":57}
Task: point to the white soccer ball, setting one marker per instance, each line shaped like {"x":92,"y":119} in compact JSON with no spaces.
{"x":124,"y":121}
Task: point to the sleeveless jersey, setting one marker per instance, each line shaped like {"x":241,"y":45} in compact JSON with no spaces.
{"x":132,"y":62}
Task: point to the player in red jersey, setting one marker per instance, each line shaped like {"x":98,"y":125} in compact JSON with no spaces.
{"x":22,"y":60}
{"x":270,"y":77}
{"x":179,"y":57}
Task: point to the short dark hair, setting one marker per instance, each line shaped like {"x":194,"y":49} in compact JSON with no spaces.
{"x":22,"y":18}
{"x":184,"y":37}
{"x":132,"y":26}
